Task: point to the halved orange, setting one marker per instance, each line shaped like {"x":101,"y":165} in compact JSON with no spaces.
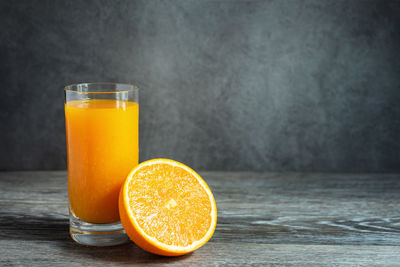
{"x":166,"y":208}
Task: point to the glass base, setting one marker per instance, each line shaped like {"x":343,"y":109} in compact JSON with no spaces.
{"x":99,"y":235}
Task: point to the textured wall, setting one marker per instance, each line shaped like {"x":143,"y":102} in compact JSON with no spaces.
{"x":225,"y":85}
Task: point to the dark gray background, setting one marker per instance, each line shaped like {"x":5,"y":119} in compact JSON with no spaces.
{"x":225,"y":85}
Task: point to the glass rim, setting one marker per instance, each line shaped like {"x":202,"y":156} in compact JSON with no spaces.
{"x":69,"y":88}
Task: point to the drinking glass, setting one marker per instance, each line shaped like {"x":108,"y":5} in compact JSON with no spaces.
{"x":102,"y":147}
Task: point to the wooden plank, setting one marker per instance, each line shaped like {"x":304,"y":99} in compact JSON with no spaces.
{"x":16,"y":219}
{"x":261,"y":208}
{"x":271,"y":218}
{"x":67,"y":253}
{"x":37,"y":186}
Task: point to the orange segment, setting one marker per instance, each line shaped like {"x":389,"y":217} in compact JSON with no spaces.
{"x":166,"y":208}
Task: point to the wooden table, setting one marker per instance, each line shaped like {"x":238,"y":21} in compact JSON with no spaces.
{"x":263,"y":219}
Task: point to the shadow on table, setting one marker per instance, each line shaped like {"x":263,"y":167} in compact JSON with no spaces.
{"x":56,"y":232}
{"x":27,"y":227}
{"x":126,"y":253}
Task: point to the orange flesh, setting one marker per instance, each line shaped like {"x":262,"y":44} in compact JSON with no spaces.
{"x":169,"y":204}
{"x":102,"y":146}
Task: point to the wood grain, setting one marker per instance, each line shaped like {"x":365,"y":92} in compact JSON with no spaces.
{"x":263,"y":218}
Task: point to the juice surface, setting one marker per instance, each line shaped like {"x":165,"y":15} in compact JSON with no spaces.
{"x":102,"y":146}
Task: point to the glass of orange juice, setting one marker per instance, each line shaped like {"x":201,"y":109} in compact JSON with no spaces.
{"x":102,"y":121}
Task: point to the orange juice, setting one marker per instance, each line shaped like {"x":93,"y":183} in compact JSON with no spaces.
{"x":102,"y":146}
